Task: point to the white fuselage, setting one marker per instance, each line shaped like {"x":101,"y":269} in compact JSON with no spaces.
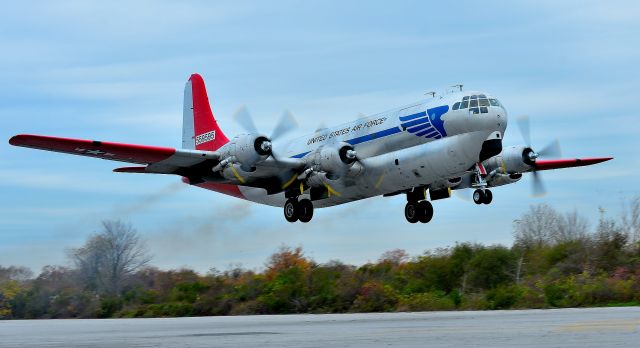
{"x":411,"y":146}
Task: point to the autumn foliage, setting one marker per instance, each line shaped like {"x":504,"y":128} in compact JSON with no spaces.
{"x":556,"y":260}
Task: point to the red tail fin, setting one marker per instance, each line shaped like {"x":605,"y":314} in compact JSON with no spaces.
{"x":200,"y":130}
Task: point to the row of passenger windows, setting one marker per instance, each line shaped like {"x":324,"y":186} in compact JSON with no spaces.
{"x":476,"y":103}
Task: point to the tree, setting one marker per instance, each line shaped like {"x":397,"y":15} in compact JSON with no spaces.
{"x":108,"y":258}
{"x":537,"y":227}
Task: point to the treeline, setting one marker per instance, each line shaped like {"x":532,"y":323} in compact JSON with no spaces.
{"x":556,"y":260}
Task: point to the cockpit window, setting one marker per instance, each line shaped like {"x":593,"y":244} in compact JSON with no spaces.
{"x":477,"y":103}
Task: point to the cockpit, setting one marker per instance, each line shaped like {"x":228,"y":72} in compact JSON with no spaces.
{"x":477,"y":103}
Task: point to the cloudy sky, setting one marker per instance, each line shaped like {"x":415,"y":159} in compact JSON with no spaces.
{"x":115,"y":70}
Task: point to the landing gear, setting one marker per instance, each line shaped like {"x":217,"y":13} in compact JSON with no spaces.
{"x":291,"y":210}
{"x":482,"y":196}
{"x":426,"y":211}
{"x":411,"y":212}
{"x":294,"y":210}
{"x":418,"y":211}
{"x":305,"y":210}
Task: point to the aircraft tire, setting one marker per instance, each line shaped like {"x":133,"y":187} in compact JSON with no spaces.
{"x":412,"y":212}
{"x":478,"y":196}
{"x":426,"y":211}
{"x":488,"y":197}
{"x":291,"y":210}
{"x":305,"y":210}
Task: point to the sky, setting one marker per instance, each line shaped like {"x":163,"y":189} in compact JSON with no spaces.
{"x":115,"y":71}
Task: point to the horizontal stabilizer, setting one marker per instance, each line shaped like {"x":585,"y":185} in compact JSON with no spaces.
{"x":568,"y":163}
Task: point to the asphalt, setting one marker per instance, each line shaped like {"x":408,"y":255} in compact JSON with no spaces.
{"x":592,"y":327}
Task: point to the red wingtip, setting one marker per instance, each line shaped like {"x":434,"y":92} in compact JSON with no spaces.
{"x":18,"y":140}
{"x":568,"y":163}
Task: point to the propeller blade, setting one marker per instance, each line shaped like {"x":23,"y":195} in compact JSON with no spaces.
{"x":537,"y":186}
{"x":244,"y":119}
{"x":551,"y":150}
{"x":525,"y":129}
{"x":285,"y":124}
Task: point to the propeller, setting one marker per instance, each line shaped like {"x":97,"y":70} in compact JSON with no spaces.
{"x":550,"y":150}
{"x":286,"y":123}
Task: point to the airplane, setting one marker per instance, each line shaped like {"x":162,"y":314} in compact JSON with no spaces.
{"x":424,"y":150}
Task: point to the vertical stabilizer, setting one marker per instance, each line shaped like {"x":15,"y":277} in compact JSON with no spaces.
{"x":200,"y":130}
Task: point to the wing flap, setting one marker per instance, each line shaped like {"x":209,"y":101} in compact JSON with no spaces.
{"x":568,"y":163}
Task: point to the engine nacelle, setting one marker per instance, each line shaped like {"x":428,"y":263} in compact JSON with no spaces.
{"x":513,"y":159}
{"x":503,"y":179}
{"x":247,"y":150}
{"x":337,"y":160}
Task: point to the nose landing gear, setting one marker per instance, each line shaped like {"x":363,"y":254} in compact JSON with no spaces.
{"x":295,"y":210}
{"x":482,"y":196}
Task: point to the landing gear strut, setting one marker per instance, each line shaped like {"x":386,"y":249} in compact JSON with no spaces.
{"x":481,"y":194}
{"x":295,"y":210}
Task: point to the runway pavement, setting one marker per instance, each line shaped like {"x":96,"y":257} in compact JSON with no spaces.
{"x":593,"y":327}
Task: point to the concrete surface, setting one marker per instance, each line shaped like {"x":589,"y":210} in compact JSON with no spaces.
{"x":593,"y":327}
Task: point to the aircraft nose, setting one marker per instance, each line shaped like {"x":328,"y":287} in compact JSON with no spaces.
{"x":500,"y":119}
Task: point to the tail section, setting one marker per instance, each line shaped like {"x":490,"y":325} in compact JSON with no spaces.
{"x":200,"y":131}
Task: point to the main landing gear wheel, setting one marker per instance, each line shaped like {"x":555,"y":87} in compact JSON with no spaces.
{"x":412,"y":212}
{"x":488,"y":197}
{"x":426,"y":211}
{"x":291,"y":210}
{"x":480,"y":196}
{"x":305,"y":210}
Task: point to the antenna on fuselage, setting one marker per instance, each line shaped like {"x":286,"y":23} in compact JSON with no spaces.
{"x":458,"y":86}
{"x":433,"y":94}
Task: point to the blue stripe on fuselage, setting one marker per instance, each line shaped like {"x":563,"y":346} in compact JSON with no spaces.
{"x":362,"y":139}
{"x":411,"y":117}
{"x":415,"y":122}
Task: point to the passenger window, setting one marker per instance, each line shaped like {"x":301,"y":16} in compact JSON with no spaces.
{"x":473,"y":103}
{"x":484,"y":109}
{"x":474,"y":111}
{"x":465,"y":98}
{"x":494,"y":102}
{"x":456,"y":106}
{"x":484,"y":102}
{"x":464,"y":105}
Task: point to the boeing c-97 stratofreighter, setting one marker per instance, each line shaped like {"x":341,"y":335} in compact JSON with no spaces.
{"x":423,"y":150}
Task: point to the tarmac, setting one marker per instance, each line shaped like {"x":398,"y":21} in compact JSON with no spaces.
{"x":587,"y":327}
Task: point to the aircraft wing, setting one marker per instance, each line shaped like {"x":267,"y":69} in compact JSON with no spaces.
{"x":568,"y":163}
{"x":162,"y":160}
